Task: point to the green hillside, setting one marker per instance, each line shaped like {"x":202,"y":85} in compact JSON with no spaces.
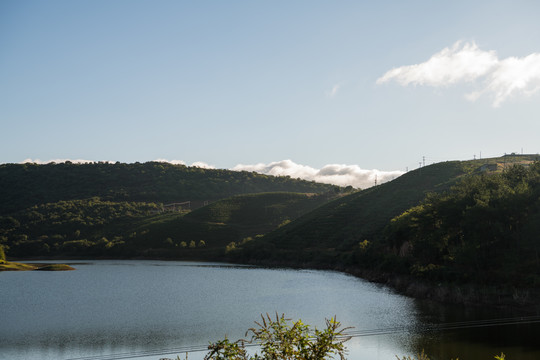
{"x":469,"y":221}
{"x":26,"y":185}
{"x":126,"y":210}
{"x":98,"y":228}
{"x":259,"y":213}
{"x":485,"y":229}
{"x":344,"y":222}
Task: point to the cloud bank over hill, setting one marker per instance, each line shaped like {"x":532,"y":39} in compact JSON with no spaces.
{"x":59,"y":161}
{"x":337,"y":174}
{"x":465,"y":62}
{"x":198,"y":164}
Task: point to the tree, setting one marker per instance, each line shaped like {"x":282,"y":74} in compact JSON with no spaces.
{"x":280,"y":338}
{"x":2,"y":254}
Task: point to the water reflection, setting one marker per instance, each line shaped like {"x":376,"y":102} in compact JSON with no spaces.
{"x":475,"y":332}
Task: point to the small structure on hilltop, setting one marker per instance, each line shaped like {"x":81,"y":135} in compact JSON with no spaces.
{"x":489,"y":167}
{"x":186,"y":205}
{"x":173,"y":207}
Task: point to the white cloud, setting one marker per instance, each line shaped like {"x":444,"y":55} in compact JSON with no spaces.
{"x":336,"y":174}
{"x":515,"y":76}
{"x":173,"y":162}
{"x":449,"y":66}
{"x":466,"y":63}
{"x":203,"y":165}
{"x":198,"y":164}
{"x":334,"y":91}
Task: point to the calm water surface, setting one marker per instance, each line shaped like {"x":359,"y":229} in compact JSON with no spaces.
{"x":154,"y":309}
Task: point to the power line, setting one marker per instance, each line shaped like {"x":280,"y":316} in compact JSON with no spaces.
{"x":351,"y":334}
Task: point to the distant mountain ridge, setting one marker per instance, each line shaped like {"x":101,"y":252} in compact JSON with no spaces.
{"x":25,"y":185}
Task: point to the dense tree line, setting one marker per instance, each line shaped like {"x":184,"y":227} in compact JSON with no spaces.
{"x":71,"y":227}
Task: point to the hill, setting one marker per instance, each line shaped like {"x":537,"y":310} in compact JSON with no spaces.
{"x":485,"y":230}
{"x":126,"y":210}
{"x":26,"y":185}
{"x":342,"y":223}
{"x":96,"y":228}
{"x":405,"y":226}
{"x":259,"y":213}
{"x":210,"y":231}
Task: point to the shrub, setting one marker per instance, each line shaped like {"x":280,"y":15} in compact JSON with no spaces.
{"x":280,"y":338}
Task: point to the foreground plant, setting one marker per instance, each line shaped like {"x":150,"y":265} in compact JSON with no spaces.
{"x":280,"y":338}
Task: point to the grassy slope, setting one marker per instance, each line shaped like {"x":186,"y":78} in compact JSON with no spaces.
{"x":103,"y":228}
{"x":343,"y":223}
{"x":227,"y":220}
{"x":258,"y":213}
{"x":348,"y":220}
{"x":14,"y":266}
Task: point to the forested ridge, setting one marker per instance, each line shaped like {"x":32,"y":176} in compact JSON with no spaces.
{"x":26,"y":185}
{"x":486,"y":229}
{"x":120,"y":210}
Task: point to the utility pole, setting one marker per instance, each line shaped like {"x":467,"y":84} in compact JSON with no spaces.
{"x":423,"y":161}
{"x":375,"y":179}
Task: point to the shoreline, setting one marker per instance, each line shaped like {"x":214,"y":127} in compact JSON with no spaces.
{"x":502,"y":296}
{"x":16,"y":266}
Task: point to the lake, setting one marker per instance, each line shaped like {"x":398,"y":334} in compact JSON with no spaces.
{"x":110,"y":309}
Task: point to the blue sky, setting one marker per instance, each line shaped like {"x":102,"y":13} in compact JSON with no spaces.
{"x":256,"y":83}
